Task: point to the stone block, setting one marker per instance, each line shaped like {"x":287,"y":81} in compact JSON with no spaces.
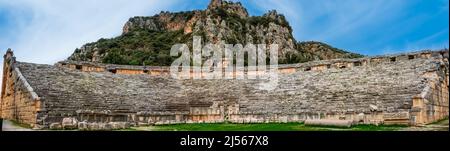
{"x":93,"y":126}
{"x":83,"y":125}
{"x":327,"y":122}
{"x":55,"y":126}
{"x":119,"y":125}
{"x":70,"y":123}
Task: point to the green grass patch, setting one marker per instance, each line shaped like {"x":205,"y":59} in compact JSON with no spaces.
{"x":439,"y":121}
{"x":378,"y":128}
{"x":15,"y":123}
{"x":264,"y":127}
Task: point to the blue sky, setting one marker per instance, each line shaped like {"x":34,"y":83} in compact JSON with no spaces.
{"x":47,"y":31}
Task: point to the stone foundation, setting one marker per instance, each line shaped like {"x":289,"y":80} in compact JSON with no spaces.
{"x":19,"y":102}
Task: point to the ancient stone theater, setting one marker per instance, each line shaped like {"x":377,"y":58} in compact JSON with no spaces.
{"x":410,"y":89}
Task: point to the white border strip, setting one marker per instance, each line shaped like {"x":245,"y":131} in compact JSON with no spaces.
{"x":34,"y":96}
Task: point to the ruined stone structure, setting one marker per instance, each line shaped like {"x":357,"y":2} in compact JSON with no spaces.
{"x":407,"y":89}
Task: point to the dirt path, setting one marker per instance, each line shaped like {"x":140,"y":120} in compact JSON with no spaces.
{"x":9,"y":126}
{"x":439,"y":126}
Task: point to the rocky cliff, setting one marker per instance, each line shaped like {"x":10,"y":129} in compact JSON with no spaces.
{"x":147,"y":40}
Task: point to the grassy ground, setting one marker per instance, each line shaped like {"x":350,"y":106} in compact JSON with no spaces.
{"x":15,"y":123}
{"x":441,"y":125}
{"x":263,"y":127}
{"x":440,"y":122}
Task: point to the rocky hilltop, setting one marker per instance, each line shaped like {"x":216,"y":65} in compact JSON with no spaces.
{"x":147,"y":40}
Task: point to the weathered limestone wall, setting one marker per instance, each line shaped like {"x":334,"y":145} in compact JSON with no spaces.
{"x":433,"y":103}
{"x":92,"y":69}
{"x":128,"y":71}
{"x":18,"y":101}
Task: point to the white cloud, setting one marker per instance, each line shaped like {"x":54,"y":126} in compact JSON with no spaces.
{"x":48,"y":31}
{"x":332,"y":19}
